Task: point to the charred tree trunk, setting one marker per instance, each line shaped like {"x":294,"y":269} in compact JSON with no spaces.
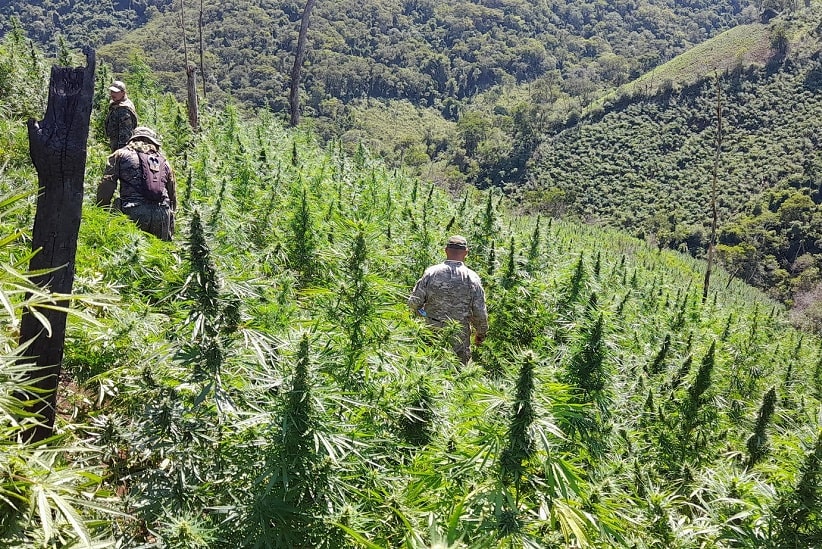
{"x":57,"y":146}
{"x":296,"y":71}
{"x":193,"y":108}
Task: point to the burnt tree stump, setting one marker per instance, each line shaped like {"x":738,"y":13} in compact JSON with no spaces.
{"x":57,"y":146}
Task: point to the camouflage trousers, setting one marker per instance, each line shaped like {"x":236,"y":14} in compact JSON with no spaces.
{"x":156,"y":219}
{"x":460,"y":337}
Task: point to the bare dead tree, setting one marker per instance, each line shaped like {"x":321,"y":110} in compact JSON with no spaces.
{"x":193,"y":107}
{"x":191,"y":77}
{"x":57,"y":146}
{"x":299,"y":56}
{"x":202,"y":50}
{"x":714,"y":221}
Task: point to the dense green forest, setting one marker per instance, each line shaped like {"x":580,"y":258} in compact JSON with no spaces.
{"x":619,"y":168}
{"x":259,"y":382}
{"x":420,"y":50}
{"x":368,"y":57}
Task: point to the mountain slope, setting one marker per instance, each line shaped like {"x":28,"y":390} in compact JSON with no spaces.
{"x":534,"y":63}
{"x":259,"y":381}
{"x":484,"y":82}
{"x":421,"y":50}
{"x":737,"y":49}
{"x":646,"y":164}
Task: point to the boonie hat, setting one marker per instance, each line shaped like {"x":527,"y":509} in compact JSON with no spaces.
{"x":117,"y":86}
{"x":142,"y":132}
{"x":457,"y":242}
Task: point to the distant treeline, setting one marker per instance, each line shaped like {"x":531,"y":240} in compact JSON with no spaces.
{"x":431,"y":53}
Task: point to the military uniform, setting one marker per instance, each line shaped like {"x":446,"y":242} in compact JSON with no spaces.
{"x":452,"y":291}
{"x":120,"y":123}
{"x":121,"y":119}
{"x":155,"y":216}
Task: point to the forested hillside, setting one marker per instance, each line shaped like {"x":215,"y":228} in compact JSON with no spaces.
{"x":421,"y":50}
{"x":647,"y":166}
{"x":259,"y":381}
{"x":91,"y":22}
{"x":365,"y":58}
{"x":474,"y":85}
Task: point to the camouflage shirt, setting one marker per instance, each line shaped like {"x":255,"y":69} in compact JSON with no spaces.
{"x":124,"y":166}
{"x":451,"y":291}
{"x":120,"y":123}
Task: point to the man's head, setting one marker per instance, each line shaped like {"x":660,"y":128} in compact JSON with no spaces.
{"x":117,"y":90}
{"x":142,"y":133}
{"x":456,"y":248}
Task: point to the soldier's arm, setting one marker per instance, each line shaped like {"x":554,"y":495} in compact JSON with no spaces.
{"x":171,"y":187}
{"x":125,"y":125}
{"x":107,"y":186}
{"x":418,"y":295}
{"x":479,"y":313}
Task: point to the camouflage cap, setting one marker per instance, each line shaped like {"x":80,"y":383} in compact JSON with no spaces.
{"x":142,"y":132}
{"x":117,"y":86}
{"x":457,"y":242}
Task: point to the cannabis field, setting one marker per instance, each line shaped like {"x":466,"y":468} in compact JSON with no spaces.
{"x":259,"y":382}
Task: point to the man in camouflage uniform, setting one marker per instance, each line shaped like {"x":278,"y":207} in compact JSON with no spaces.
{"x":121,"y":119}
{"x":148,"y":191}
{"x":450,"y":291}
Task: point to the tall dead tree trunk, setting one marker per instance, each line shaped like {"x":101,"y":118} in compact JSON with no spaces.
{"x":57,"y":146}
{"x":193,"y":108}
{"x":296,"y":71}
{"x":714,"y":221}
{"x":202,"y":51}
{"x":191,"y":79}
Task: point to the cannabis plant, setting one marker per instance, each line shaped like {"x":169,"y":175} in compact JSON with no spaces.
{"x":51,"y":493}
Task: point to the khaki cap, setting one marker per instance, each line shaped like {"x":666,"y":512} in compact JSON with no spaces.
{"x":457,"y":242}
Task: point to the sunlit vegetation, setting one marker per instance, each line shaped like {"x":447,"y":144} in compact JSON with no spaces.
{"x":365,"y":56}
{"x":259,"y":382}
{"x":645,"y":165}
{"x":577,"y":108}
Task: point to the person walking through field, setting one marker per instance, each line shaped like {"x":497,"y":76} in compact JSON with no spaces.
{"x":122,"y":117}
{"x":148,"y":191}
{"x":450,"y":291}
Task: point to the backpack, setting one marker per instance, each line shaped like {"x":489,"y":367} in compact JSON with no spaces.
{"x":153,"y":167}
